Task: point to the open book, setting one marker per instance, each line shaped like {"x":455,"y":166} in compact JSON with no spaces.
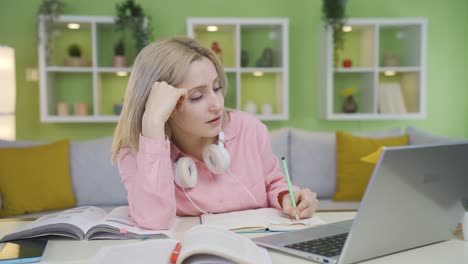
{"x":259,"y":220}
{"x":88,"y":222}
{"x":201,"y":244}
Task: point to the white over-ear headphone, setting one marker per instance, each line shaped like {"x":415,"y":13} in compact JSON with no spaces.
{"x":215,"y":157}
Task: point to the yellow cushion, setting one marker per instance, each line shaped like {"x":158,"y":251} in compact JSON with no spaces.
{"x":352,"y":174}
{"x":373,"y":157}
{"x":34,"y":179}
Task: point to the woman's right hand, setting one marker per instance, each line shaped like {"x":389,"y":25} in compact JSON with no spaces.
{"x":162,"y":101}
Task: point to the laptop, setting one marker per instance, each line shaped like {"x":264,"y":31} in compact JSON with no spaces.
{"x":413,"y":199}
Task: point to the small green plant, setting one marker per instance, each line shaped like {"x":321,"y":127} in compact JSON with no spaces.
{"x":334,"y":16}
{"x":119,"y":49}
{"x":130,"y":15}
{"x":74,"y":50}
{"x":50,"y":10}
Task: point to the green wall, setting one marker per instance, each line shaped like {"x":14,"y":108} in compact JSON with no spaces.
{"x":447,"y":81}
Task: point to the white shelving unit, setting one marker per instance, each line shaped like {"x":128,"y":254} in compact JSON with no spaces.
{"x":93,"y":84}
{"x":251,"y":82}
{"x":366,"y":46}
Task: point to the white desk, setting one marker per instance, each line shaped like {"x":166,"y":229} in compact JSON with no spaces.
{"x":80,"y":252}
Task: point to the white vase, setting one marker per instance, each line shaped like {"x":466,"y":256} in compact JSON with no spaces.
{"x":267,"y":109}
{"x":250,"y":107}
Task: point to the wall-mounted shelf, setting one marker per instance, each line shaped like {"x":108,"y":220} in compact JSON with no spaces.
{"x":97,"y":84}
{"x":388,"y":69}
{"x":250,"y":80}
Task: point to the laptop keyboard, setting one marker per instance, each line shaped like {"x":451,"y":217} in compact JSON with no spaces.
{"x":327,"y":246}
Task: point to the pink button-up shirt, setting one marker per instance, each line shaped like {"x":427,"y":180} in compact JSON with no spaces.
{"x":154,"y":198}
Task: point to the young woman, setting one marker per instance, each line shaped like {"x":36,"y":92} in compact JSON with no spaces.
{"x":180,"y":152}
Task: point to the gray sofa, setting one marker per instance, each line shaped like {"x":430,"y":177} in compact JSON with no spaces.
{"x":311,"y":158}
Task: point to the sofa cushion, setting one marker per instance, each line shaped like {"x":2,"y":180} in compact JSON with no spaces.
{"x":8,"y":143}
{"x":418,"y":136}
{"x":312,"y":162}
{"x":331,"y":205}
{"x":392,"y":132}
{"x":95,"y":180}
{"x":15,"y":144}
{"x":35,"y":179}
{"x":279,"y":139}
{"x":352,"y":173}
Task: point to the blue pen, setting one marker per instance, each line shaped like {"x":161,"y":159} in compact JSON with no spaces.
{"x":291,"y":193}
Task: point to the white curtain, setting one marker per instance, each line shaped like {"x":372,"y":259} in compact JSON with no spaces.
{"x":7,"y":93}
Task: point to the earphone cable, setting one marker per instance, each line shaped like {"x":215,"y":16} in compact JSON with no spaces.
{"x":194,"y":205}
{"x":243,"y":186}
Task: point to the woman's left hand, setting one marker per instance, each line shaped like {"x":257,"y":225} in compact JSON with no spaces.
{"x":306,"y":202}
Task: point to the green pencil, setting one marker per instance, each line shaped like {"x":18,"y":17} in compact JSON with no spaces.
{"x":291,"y":193}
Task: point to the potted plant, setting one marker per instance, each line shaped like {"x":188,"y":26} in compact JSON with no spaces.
{"x":119,"y":55}
{"x":349,"y":103}
{"x":74,"y":56}
{"x":334,"y":16}
{"x":50,"y":11}
{"x":131,"y":16}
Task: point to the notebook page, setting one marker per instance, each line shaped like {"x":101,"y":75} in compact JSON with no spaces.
{"x":258,"y":219}
{"x":119,"y":218}
{"x":145,"y":252}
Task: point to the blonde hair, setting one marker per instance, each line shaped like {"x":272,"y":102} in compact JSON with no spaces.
{"x":163,"y":60}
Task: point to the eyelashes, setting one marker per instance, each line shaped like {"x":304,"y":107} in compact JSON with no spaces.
{"x":198,"y":98}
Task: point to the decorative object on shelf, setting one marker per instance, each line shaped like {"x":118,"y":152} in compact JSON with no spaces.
{"x":119,"y":60}
{"x":390,"y":60}
{"x":62,"y":109}
{"x":244,"y":58}
{"x":334,"y":16}
{"x":50,"y":9}
{"x":118,"y":108}
{"x":347,"y":63}
{"x":267,"y":109}
{"x":349,"y":103}
{"x":267,"y":58}
{"x":250,"y":107}
{"x":74,"y":57}
{"x":80,"y":109}
{"x":391,"y":99}
{"x":130,"y":15}
{"x":217,"y":50}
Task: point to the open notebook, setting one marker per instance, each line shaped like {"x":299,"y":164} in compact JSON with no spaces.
{"x":259,"y":220}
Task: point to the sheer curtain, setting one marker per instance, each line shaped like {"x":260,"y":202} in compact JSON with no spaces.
{"x":7,"y":93}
